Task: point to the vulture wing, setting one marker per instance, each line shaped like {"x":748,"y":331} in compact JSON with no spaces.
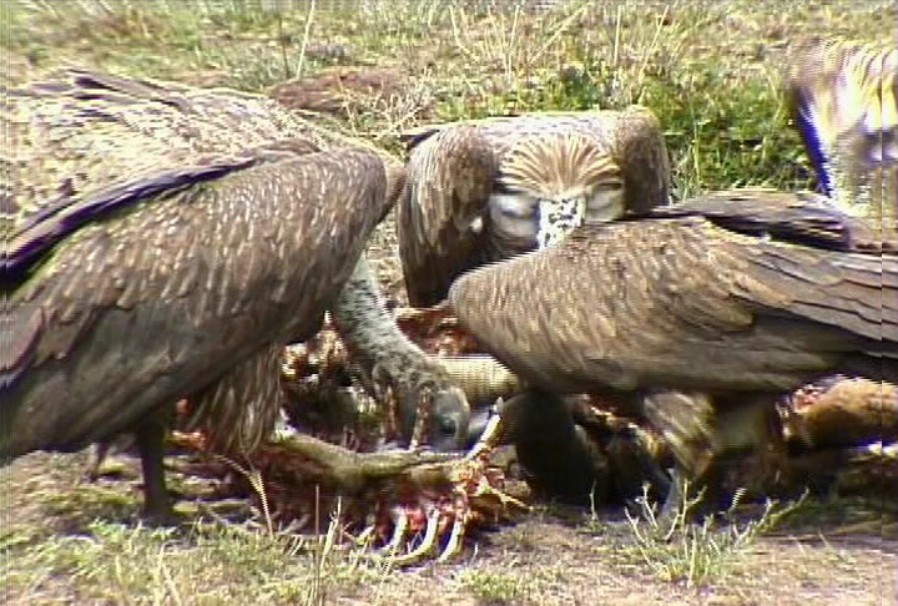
{"x":683,"y":304}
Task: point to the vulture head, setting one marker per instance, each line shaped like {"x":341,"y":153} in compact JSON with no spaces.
{"x":490,"y":189}
{"x":570,"y":179}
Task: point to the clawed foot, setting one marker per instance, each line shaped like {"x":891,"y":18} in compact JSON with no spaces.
{"x":442,"y":515}
{"x":422,"y":500}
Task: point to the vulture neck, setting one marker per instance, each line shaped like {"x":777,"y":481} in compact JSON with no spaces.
{"x":371,"y":333}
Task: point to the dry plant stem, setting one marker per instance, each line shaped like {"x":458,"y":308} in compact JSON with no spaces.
{"x":462,"y":476}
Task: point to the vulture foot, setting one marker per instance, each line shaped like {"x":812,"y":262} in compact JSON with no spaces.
{"x":392,"y":367}
{"x":408,"y":502}
{"x":436,"y":521}
{"x":711,"y":434}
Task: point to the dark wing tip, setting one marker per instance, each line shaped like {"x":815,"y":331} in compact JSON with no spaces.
{"x":412,"y":138}
{"x":20,"y":337}
{"x":801,"y":218}
{"x":56,"y":222}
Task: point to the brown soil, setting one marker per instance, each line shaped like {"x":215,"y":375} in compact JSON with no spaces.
{"x":554,"y":556}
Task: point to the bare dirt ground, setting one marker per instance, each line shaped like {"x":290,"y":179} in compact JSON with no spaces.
{"x":67,"y":541}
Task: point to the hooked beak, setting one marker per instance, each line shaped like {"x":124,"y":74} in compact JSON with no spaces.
{"x":557,"y":218}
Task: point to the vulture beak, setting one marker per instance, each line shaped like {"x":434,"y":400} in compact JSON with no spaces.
{"x":450,"y":420}
{"x":557,"y":217}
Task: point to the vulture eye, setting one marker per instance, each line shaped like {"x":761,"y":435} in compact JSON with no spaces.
{"x":610,"y":186}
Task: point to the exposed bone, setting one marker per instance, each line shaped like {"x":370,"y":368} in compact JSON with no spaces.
{"x":427,"y":545}
{"x":350,"y":472}
{"x":400,"y":527}
{"x":467,"y":481}
{"x":490,"y":437}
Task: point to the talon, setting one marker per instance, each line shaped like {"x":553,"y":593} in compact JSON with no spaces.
{"x":487,"y":438}
{"x":399,"y":530}
{"x":453,"y":546}
{"x":427,"y":543}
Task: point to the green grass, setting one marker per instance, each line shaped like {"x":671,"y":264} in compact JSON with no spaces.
{"x":708,"y":69}
{"x":498,"y":588}
{"x":210,"y":563}
{"x":91,"y":550}
{"x":699,"y":553}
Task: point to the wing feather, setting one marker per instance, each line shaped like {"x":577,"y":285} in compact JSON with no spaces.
{"x":79,"y":132}
{"x":690,"y":306}
{"x":250,"y":259}
{"x":453,"y":168}
{"x":843,"y":97}
{"x":449,"y":179}
{"x":641,"y":152}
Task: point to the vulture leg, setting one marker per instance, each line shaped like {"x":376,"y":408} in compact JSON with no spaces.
{"x":150,"y":437}
{"x":557,"y":456}
{"x":709,"y":438}
{"x":571,"y":456}
{"x":426,"y":394}
{"x":634,"y":467}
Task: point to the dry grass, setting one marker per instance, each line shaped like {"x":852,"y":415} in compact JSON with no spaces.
{"x":64,"y":540}
{"x":707,"y":68}
{"x":678,"y":550}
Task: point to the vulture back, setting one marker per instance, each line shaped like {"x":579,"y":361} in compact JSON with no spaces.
{"x":680,"y":303}
{"x":161,"y":237}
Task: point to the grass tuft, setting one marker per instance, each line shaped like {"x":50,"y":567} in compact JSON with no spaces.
{"x":694,"y":554}
{"x":707,"y":69}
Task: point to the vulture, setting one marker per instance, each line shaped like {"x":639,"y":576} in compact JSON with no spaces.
{"x":164,"y":242}
{"x":485,"y":190}
{"x":843,"y":98}
{"x":696,"y":316}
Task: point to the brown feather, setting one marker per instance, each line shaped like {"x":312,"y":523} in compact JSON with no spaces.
{"x":160,"y":284}
{"x":690,"y":324}
{"x":532,"y":156}
{"x":447,"y":189}
{"x":554,"y":164}
{"x":682,"y":304}
{"x":843,"y":96}
{"x":252,"y":260}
